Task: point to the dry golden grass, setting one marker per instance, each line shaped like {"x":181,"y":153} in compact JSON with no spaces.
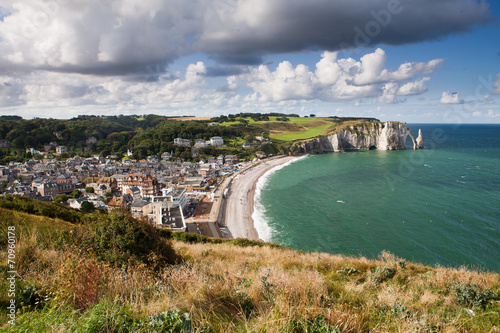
{"x":230,"y":288}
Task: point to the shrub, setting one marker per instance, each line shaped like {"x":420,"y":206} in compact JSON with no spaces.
{"x":312,"y":325}
{"x":82,"y":283}
{"x":348,"y":271}
{"x":470,"y":295}
{"x":60,"y":198}
{"x":120,"y":239}
{"x":170,"y":321}
{"x":33,"y":297}
{"x":87,"y":207}
{"x":382,"y":274}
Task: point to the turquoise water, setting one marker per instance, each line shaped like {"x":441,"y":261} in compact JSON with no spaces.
{"x":434,"y":206}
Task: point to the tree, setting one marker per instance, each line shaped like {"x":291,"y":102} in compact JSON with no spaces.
{"x":105,"y":152}
{"x":18,"y":142}
{"x":89,"y":189}
{"x":60,"y":198}
{"x":75,"y":194}
{"x":87,"y":207}
{"x":312,"y":115}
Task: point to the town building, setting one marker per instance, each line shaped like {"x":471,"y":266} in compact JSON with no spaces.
{"x":91,"y":140}
{"x":182,"y":142}
{"x":166,"y":156}
{"x":147,"y":185}
{"x":61,"y":149}
{"x":166,"y":214}
{"x":200,"y":143}
{"x":216,"y":141}
{"x":49,"y":188}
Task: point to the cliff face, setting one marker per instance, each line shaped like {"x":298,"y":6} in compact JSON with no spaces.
{"x":381,"y":136}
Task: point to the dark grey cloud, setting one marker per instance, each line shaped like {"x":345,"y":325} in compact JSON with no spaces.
{"x":128,"y":37}
{"x":226,"y":70}
{"x":263,"y":26}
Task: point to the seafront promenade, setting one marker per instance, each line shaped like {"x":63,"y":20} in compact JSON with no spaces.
{"x":232,"y":211}
{"x":209,"y":216}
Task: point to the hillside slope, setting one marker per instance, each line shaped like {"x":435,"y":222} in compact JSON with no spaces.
{"x":64,"y":285}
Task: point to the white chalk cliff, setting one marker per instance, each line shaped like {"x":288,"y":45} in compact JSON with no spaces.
{"x":381,"y":136}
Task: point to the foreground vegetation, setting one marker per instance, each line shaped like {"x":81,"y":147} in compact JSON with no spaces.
{"x":112,"y":273}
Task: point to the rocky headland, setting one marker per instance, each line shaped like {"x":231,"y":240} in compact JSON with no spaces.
{"x":366,"y":136}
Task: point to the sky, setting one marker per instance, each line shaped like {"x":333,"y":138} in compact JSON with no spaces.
{"x":417,"y":61}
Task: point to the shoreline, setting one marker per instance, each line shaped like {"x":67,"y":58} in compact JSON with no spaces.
{"x":240,"y":203}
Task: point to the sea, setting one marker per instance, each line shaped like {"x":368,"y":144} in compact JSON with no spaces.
{"x":439,"y":206}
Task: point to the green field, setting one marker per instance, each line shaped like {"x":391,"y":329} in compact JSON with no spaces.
{"x":250,"y":121}
{"x":309,"y":133}
{"x":306,"y":133}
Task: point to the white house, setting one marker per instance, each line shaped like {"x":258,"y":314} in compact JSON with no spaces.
{"x":200,"y":143}
{"x":182,"y":142}
{"x":61,"y":149}
{"x":216,"y":141}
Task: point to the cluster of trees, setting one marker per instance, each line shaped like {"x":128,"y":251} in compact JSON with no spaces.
{"x":339,"y":119}
{"x":253,"y":116}
{"x":146,"y":135}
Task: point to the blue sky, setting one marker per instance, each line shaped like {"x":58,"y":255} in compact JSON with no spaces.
{"x":410,"y":60}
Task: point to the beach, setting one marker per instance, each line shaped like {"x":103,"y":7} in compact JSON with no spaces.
{"x":239,"y":203}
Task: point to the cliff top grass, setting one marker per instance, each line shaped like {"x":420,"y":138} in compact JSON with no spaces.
{"x":297,"y":128}
{"x":66,"y":283}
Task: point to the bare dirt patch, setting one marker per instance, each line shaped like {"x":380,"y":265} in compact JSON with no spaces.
{"x":191,"y":118}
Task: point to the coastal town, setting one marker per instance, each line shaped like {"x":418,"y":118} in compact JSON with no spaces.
{"x":190,"y":174}
{"x":167,"y":192}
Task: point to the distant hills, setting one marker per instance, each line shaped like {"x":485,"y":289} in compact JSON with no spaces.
{"x":148,"y":135}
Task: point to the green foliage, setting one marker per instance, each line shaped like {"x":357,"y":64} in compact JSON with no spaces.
{"x":75,"y":194}
{"x":348,"y":271}
{"x":36,"y":207}
{"x":197,"y":238}
{"x":120,"y":239}
{"x":269,"y":148}
{"x":311,"y":325}
{"x":170,"y":321}
{"x":87,"y":207}
{"x":33,"y":297}
{"x":282,"y":119}
{"x":193,"y":238}
{"x":147,"y":135}
{"x":89,"y":189}
{"x":470,"y":295}
{"x":60,"y":198}
{"x":382,"y":274}
{"x":107,"y":317}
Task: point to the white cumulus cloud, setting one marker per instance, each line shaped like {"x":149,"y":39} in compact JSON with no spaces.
{"x":450,"y":98}
{"x":340,"y":79}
